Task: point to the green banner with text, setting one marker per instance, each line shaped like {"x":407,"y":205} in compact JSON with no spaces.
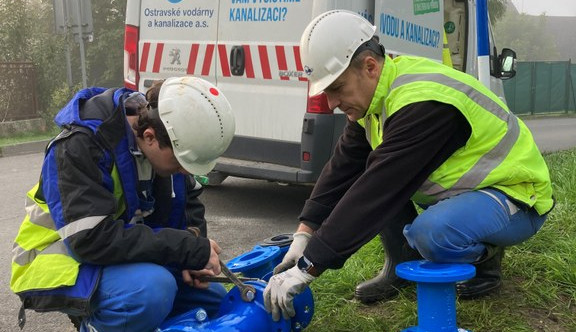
{"x":426,"y":6}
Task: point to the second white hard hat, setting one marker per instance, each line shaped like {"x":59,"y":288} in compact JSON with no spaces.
{"x":198,"y":119}
{"x":328,"y":43}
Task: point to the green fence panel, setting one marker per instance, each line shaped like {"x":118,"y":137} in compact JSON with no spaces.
{"x":517,"y":90}
{"x":552,"y":86}
{"x":541,"y":82}
{"x":542,"y":87}
{"x":510,"y":93}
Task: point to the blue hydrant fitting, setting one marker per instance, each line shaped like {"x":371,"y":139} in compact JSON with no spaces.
{"x":237,"y":315}
{"x":282,"y":241}
{"x":436,"y":293}
{"x":255,"y":263}
{"x":262,"y":258}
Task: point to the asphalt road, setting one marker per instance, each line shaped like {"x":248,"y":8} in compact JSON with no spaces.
{"x":553,"y":134}
{"x":240,"y":214}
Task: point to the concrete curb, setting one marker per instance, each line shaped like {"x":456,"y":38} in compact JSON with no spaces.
{"x":23,"y":148}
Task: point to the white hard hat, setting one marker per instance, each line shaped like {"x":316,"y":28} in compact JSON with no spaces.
{"x":198,"y":119}
{"x":328,"y":43}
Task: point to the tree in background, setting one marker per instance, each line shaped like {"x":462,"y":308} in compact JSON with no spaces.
{"x":48,"y":53}
{"x":23,"y":38}
{"x":497,"y":9}
{"x":527,"y":36}
{"x":27,"y":34}
{"x":105,"y":55}
{"x":14,"y":31}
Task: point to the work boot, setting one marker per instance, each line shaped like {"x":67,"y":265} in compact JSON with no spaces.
{"x":488,"y":275}
{"x":386,"y":284}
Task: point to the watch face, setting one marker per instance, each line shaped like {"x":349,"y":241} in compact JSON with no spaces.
{"x":304,"y":264}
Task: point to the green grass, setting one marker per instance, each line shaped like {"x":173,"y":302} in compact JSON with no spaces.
{"x":27,"y":137}
{"x":539,"y":292}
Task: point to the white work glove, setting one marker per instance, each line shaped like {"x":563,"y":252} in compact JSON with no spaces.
{"x":281,"y":290}
{"x":296,"y":250}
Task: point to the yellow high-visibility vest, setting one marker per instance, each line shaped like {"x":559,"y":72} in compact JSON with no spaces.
{"x":500,"y":153}
{"x":41,"y":260}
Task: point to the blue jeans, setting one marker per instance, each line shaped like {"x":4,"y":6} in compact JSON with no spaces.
{"x":455,"y":230}
{"x":140,"y":296}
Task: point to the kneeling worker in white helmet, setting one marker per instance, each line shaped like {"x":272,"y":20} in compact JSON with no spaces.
{"x":418,"y":132}
{"x":114,"y":234}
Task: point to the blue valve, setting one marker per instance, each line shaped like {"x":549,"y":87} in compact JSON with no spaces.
{"x":436,"y":293}
{"x":282,"y":241}
{"x":255,"y":263}
{"x":237,"y":315}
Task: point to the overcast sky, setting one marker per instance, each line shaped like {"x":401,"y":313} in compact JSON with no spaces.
{"x":550,"y":7}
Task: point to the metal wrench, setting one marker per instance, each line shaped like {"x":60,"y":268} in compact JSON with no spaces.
{"x":223,"y":279}
{"x":247,"y":292}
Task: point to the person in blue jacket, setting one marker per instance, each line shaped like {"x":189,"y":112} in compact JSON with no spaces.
{"x":115,"y":233}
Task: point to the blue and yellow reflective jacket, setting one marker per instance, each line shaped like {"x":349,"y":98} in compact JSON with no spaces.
{"x":45,"y":273}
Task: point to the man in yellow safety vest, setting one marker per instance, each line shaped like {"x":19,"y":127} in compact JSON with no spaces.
{"x":418,"y":133}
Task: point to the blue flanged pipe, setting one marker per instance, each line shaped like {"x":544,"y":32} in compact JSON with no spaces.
{"x":436,"y":293}
{"x":262,"y":258}
{"x":255,"y":263}
{"x":282,"y":241}
{"x":238,"y":315}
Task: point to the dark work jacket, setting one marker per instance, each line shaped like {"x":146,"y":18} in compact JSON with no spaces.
{"x":362,"y":191}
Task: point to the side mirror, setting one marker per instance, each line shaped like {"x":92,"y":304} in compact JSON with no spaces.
{"x":507,"y":61}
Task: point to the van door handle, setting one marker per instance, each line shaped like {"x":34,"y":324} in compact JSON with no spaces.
{"x":237,"y":60}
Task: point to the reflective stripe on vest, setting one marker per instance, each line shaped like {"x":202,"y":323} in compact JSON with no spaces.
{"x":41,"y":261}
{"x":22,"y":256}
{"x":79,"y":226}
{"x":500,"y":151}
{"x":28,"y":251}
{"x":489,"y":161}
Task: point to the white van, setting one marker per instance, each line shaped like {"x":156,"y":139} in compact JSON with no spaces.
{"x":250,"y":50}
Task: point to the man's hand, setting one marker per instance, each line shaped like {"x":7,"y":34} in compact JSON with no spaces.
{"x":212,"y":268}
{"x":214,"y":261}
{"x":296,"y":250}
{"x":192,"y":278}
{"x":281,"y":290}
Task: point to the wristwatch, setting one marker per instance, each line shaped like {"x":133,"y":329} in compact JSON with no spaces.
{"x":306,"y":266}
